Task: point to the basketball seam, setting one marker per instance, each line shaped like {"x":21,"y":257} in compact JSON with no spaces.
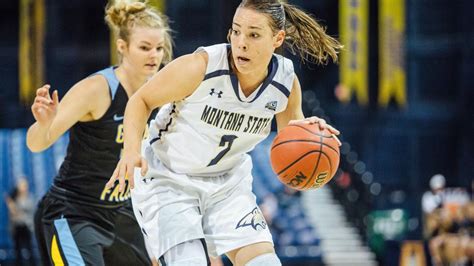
{"x":295,"y":161}
{"x":317,"y":164}
{"x":304,"y":140}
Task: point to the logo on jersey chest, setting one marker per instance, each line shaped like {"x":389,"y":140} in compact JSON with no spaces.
{"x":118,"y":118}
{"x":216,"y":92}
{"x":271,"y":105}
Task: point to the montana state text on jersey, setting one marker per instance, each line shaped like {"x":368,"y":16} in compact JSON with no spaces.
{"x":234,"y":121}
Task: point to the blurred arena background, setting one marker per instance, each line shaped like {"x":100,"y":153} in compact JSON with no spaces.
{"x":402,"y":95}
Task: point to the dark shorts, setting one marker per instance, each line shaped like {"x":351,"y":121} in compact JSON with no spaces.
{"x":74,"y":234}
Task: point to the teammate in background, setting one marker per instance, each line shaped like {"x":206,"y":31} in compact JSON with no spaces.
{"x":79,"y":222}
{"x":194,"y":193}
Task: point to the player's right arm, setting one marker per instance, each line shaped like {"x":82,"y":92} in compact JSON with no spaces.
{"x":85,"y":101}
{"x":174,"y":82}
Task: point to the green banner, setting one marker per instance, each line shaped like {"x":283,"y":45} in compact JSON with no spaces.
{"x":386,"y":225}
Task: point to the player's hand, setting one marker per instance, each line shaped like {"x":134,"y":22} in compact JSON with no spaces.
{"x":316,"y":120}
{"x":45,"y":107}
{"x":125,"y":169}
{"x":322,"y":125}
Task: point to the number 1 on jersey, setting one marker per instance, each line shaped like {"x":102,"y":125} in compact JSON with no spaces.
{"x":226,"y":139}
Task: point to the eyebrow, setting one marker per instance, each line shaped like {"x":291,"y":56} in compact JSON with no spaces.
{"x":145,"y":42}
{"x":252,"y":27}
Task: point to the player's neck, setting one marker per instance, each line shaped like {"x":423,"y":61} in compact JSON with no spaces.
{"x":250,"y":82}
{"x":130,"y":79}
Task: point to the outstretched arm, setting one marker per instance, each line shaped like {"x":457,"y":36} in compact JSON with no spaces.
{"x":53,"y":118}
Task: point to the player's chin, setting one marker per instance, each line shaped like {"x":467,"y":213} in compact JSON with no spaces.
{"x":150,"y":69}
{"x":246,"y":69}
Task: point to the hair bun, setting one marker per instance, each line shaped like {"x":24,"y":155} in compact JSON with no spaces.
{"x":119,"y":13}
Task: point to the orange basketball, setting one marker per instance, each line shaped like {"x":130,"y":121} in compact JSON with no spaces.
{"x":304,"y":157}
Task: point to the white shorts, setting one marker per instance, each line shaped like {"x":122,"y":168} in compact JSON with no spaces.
{"x":174,"y":208}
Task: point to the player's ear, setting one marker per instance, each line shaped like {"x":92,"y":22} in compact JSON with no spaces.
{"x":228,"y":35}
{"x":121,"y":45}
{"x":279,"y":38}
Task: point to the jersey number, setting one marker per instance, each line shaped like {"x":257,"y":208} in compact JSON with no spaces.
{"x":226,"y":139}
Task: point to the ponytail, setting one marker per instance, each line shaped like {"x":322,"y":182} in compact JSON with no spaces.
{"x":305,"y":36}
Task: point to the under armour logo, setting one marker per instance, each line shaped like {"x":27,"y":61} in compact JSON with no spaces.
{"x":146,"y":180}
{"x":219,"y":94}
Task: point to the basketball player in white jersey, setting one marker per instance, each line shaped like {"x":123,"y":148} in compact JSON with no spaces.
{"x":193,"y":196}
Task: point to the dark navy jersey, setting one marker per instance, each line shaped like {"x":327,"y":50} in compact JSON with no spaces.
{"x":93,"y":153}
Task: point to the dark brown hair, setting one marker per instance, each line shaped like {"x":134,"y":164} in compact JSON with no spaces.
{"x":304,"y":35}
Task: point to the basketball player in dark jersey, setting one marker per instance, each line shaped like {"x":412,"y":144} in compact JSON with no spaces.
{"x":78,"y":222}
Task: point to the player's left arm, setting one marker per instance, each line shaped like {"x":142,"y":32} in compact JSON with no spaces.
{"x":294,"y":112}
{"x":293,"y":109}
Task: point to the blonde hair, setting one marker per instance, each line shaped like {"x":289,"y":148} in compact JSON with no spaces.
{"x":304,"y":35}
{"x":122,"y":16}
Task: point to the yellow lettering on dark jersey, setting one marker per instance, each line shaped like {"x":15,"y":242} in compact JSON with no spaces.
{"x":113,"y":195}
{"x":119,"y":137}
{"x":104,"y":193}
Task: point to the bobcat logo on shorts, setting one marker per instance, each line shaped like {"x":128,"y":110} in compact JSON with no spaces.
{"x":254,"y":219}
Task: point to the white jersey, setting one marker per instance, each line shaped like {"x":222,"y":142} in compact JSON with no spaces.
{"x":211,"y":131}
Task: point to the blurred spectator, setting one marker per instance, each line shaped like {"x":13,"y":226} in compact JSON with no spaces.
{"x":287,"y":196}
{"x":433,"y":199}
{"x":448,"y":220}
{"x":456,"y":246}
{"x":21,"y":207}
{"x":434,"y":218}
